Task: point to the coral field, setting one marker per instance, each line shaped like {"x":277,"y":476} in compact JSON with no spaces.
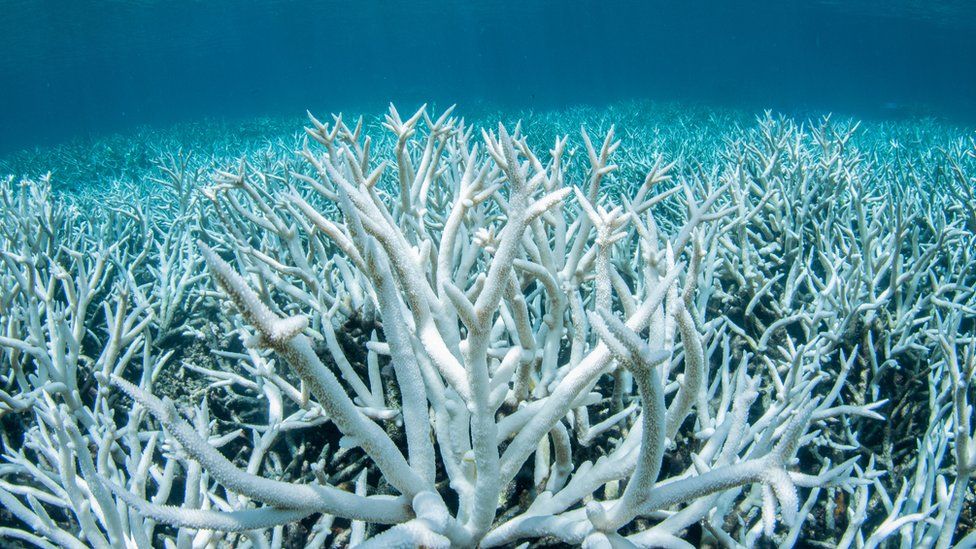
{"x":646,"y":325}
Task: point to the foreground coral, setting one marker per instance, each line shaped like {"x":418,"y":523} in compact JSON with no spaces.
{"x":445,"y":338}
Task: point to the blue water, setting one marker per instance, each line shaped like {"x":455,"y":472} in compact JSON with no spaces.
{"x":78,"y":68}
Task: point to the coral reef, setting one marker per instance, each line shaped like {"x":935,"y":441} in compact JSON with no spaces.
{"x":699,"y":329}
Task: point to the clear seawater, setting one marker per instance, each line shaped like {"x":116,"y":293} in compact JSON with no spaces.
{"x":83,"y":68}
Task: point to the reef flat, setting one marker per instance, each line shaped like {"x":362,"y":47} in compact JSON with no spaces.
{"x":649,"y":324}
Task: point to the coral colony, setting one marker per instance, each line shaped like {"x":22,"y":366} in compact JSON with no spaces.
{"x":698,"y":329}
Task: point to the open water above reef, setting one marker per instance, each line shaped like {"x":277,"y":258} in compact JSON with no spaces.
{"x":73,"y":69}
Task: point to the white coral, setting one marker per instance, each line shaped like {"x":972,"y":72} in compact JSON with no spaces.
{"x":707,"y":320}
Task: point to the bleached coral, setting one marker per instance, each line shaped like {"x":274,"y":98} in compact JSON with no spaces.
{"x":442,"y":336}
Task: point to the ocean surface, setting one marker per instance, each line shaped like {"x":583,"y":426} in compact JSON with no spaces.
{"x":78,"y":69}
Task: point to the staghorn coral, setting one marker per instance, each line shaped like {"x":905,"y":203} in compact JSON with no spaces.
{"x":422,"y":334}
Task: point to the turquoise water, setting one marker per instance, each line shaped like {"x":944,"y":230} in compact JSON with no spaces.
{"x":70,"y":69}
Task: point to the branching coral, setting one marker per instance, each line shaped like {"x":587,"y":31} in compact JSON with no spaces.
{"x":439,"y":338}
